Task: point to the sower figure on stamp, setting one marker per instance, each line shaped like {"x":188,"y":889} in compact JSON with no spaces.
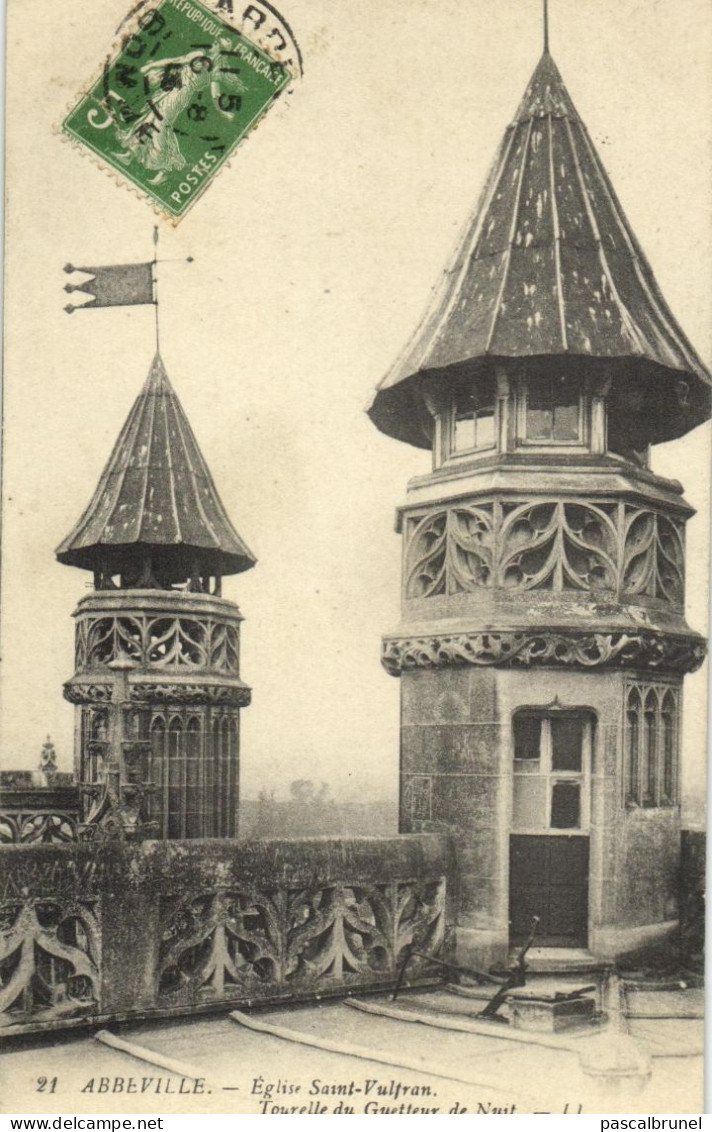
{"x":178,"y":84}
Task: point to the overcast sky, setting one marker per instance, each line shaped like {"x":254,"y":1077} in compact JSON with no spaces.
{"x":314,"y":257}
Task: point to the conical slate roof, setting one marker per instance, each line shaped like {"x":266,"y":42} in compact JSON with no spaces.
{"x":156,"y":492}
{"x":548,"y":266}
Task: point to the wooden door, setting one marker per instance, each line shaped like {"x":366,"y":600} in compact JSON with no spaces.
{"x":548,"y":878}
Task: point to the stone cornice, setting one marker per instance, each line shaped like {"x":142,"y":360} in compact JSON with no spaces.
{"x":545,"y":648}
{"x":504,"y":481}
{"x":166,"y":603}
{"x":232,"y":693}
{"x":168,"y":693}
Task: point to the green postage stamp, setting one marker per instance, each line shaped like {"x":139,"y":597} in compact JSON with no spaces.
{"x":174,"y":101}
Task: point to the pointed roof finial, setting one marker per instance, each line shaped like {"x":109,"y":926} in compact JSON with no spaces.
{"x":546,"y":27}
{"x":155,"y":285}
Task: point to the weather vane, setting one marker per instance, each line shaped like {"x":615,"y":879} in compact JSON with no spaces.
{"x":120,"y":284}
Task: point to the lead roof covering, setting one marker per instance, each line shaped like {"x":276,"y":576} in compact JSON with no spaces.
{"x":548,"y":266}
{"x":156,"y":491}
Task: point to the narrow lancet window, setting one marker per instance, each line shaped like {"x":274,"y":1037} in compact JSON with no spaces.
{"x":193,"y":798}
{"x":633,"y":775}
{"x":175,"y":778}
{"x":652,"y":746}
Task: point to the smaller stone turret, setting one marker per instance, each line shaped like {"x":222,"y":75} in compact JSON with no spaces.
{"x":157,"y":683}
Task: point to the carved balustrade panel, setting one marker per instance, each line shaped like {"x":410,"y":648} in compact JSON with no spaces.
{"x":49,"y":960}
{"x":654,"y":556}
{"x":224,"y":647}
{"x":171,"y":642}
{"x":552,"y":544}
{"x":230,"y":944}
{"x":451,"y":551}
{"x":28,"y":828}
{"x":81,"y":634}
{"x":561,"y":546}
{"x":114,"y":930}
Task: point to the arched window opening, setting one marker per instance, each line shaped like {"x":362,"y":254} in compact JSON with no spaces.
{"x":176,"y":778}
{"x":211,"y":767}
{"x":650,"y":752}
{"x":99,"y":726}
{"x":233,"y":778}
{"x":193,"y":797}
{"x":222,"y":778}
{"x":633,"y":770}
{"x":156,"y":805}
{"x":95,"y":744}
{"x":669,"y":750}
{"x":652,"y":746}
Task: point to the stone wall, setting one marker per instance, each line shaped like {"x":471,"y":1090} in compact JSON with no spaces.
{"x":692,"y":899}
{"x":90,"y":933}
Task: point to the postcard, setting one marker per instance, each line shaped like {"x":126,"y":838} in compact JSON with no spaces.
{"x":355,"y":549}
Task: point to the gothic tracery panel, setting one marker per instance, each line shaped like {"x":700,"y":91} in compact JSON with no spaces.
{"x":451,"y":551}
{"x":227,"y":944}
{"x":172,"y":642}
{"x":551,"y":544}
{"x":49,"y":955}
{"x":652,"y":745}
{"x":43,"y":828}
{"x":654,"y":556}
{"x":224,"y":647}
{"x":569,"y":546}
{"x":107,"y":637}
{"x":192,"y":755}
{"x":589,"y":547}
{"x":176,"y":642}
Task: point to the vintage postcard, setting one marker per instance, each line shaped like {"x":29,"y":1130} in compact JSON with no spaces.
{"x":355,"y":546}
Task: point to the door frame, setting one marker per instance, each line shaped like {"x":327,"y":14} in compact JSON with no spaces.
{"x":589,"y":760}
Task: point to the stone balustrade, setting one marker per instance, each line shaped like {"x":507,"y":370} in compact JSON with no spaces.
{"x":90,"y":933}
{"x":31,"y":815}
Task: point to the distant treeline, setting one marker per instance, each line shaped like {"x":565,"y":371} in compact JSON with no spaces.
{"x":310,"y":811}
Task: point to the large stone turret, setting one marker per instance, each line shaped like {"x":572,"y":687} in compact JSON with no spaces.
{"x":543,"y":639}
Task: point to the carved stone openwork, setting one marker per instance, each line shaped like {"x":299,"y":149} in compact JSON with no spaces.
{"x":163,"y":751}
{"x":37,"y":827}
{"x":548,"y":544}
{"x":178,"y":642}
{"x":451,"y":550}
{"x":181,"y":765}
{"x":87,"y":693}
{"x":49,"y":956}
{"x":200,"y":923}
{"x":234,"y":944}
{"x":654,"y":559}
{"x":667,"y":653}
{"x":228,"y":694}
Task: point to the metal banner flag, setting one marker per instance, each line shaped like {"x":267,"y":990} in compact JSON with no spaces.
{"x":119,"y":285}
